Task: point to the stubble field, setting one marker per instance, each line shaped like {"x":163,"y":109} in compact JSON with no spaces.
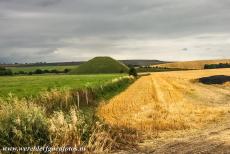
{"x":198,"y":64}
{"x":169,"y":101}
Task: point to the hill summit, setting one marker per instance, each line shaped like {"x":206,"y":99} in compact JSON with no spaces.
{"x":101,"y":65}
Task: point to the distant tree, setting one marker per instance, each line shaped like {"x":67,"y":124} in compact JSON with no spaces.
{"x":220,"y":65}
{"x":4,"y":71}
{"x":121,"y":71}
{"x":2,"y":68}
{"x":9,"y":72}
{"x":22,"y":72}
{"x":38,"y":71}
{"x":133,"y":72}
{"x":54,"y":71}
{"x":46,"y":71}
{"x":66,"y":70}
{"x":206,"y":66}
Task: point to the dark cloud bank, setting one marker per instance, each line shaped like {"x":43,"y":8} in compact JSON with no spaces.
{"x":71,"y":30}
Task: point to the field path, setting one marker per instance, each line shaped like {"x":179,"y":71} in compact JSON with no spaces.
{"x":174,"y":113}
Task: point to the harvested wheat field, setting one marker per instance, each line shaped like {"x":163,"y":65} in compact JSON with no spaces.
{"x":198,"y":64}
{"x":170,"y":103}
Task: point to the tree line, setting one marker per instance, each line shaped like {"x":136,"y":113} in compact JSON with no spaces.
{"x":220,"y":65}
{"x":4,"y":71}
{"x":8,"y":72}
{"x":40,"y":71}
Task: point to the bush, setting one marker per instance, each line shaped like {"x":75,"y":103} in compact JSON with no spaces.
{"x":2,"y":68}
{"x":22,"y":72}
{"x":22,"y":124}
{"x":67,"y":129}
{"x":67,"y":70}
{"x":4,"y":71}
{"x":46,"y":71}
{"x":133,"y":72}
{"x":54,"y":71}
{"x":38,"y":71}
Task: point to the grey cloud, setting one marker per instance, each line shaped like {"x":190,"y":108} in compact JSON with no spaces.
{"x":99,"y":27}
{"x":46,"y":51}
{"x":45,"y":3}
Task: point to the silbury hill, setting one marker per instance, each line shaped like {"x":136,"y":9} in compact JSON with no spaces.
{"x":101,"y":65}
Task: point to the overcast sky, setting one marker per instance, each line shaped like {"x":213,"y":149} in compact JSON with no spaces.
{"x":72,"y":30}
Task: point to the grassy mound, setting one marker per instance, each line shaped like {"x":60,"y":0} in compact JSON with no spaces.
{"x":101,"y":65}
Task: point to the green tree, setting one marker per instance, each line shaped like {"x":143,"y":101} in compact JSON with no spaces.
{"x":133,"y":72}
{"x":38,"y":71}
{"x":4,"y":71}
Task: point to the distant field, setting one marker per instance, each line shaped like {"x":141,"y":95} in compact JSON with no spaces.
{"x":199,"y":64}
{"x":23,"y":86}
{"x":33,"y":68}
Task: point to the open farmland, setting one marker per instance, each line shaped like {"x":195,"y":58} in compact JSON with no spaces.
{"x":24,"y":86}
{"x":198,"y":64}
{"x":168,"y":102}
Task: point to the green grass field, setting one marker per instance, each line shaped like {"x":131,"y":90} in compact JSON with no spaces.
{"x":33,"y":68}
{"x":24,"y":86}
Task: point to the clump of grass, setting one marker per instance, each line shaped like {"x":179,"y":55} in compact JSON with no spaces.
{"x":105,"y":138}
{"x":22,"y":124}
{"x":67,"y":129}
{"x":56,"y":100}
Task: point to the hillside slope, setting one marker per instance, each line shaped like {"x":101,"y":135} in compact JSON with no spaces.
{"x":198,"y":64}
{"x":101,"y":65}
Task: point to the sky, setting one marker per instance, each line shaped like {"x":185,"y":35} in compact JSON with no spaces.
{"x":75,"y":30}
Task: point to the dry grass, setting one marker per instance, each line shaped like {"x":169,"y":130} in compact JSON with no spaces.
{"x":167,"y":101}
{"x":199,"y":64}
{"x":66,"y":130}
{"x":22,"y":123}
{"x":105,"y":138}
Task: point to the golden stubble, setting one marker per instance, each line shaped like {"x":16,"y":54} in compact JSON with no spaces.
{"x":167,"y":101}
